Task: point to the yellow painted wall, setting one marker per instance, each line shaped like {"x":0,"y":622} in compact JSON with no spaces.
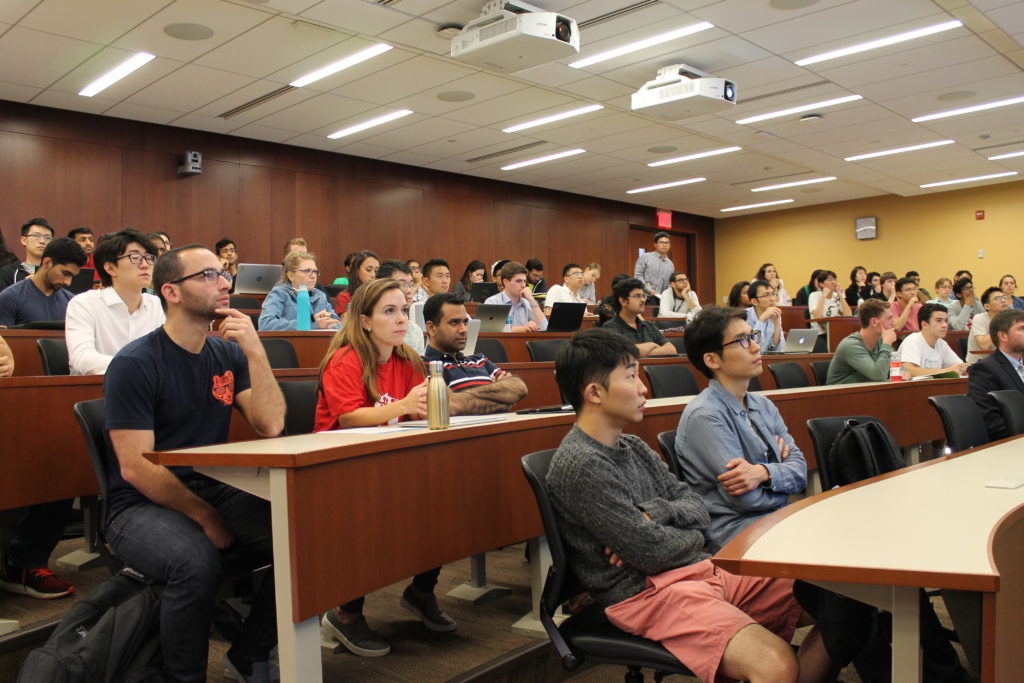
{"x":934,"y":234}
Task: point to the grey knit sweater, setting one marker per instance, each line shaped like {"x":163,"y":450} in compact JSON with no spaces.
{"x":601,"y":493}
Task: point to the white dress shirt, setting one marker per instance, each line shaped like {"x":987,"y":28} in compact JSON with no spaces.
{"x":98,"y":325}
{"x":561,"y":293}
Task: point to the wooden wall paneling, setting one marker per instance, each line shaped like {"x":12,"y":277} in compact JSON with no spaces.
{"x":258,"y":214}
{"x":315,"y":202}
{"x":458,"y":228}
{"x":393,"y":224}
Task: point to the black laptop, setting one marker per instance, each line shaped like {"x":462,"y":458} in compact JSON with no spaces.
{"x":83,"y":281}
{"x":482,"y":291}
{"x":566,"y":316}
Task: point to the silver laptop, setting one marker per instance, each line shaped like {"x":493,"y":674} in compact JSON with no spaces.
{"x":472,"y":334}
{"x":492,"y":317}
{"x":800,"y":341}
{"x":256,"y":278}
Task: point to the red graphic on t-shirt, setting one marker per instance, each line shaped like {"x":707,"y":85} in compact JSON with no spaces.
{"x":224,"y":388}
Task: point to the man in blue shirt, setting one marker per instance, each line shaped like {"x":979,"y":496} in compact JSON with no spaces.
{"x":733,"y":447}
{"x":654,"y":268}
{"x":526,"y":313}
{"x":764,"y":316}
{"x":42,"y":296}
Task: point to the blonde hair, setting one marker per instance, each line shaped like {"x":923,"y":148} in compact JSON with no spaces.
{"x":358,"y":341}
{"x":292,"y":261}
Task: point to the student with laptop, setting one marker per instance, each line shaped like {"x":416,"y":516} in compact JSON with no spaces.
{"x":764,"y":316}
{"x":87,"y":241}
{"x":526,"y":314}
{"x":43,"y":295}
{"x":569,"y":291}
{"x":864,"y":356}
{"x":280,"y":308}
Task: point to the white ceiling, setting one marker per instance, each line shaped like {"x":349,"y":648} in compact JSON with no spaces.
{"x":50,"y":49}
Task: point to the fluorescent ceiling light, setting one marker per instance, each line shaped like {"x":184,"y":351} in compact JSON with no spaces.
{"x":797,"y":110}
{"x":117,"y":73}
{"x":881,"y":42}
{"x":970,"y":180}
{"x":664,"y":185}
{"x":1007,"y":156}
{"x":969,"y":110}
{"x":370,"y":124}
{"x":757,"y":206}
{"x":341,"y":65}
{"x":795,"y":184}
{"x":541,"y":160}
{"x":698,"y":155}
{"x":554,"y":117}
{"x":899,"y":150}
{"x":642,"y":44}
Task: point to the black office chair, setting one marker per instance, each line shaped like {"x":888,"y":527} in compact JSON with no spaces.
{"x":823,"y":431}
{"x":755,"y":384}
{"x":334,"y":290}
{"x":667,"y":446}
{"x":669,"y":324}
{"x":962,"y":420}
{"x":1011,"y":404}
{"x":586,"y":635}
{"x":280,"y":353}
{"x":242,"y":301}
{"x":54,"y":354}
{"x":821,"y":344}
{"x":789,"y":375}
{"x":820,"y":368}
{"x":679,"y":343}
{"x":300,"y":403}
{"x":962,"y":345}
{"x":493,"y":349}
{"x":91,"y":416}
{"x":255,"y":318}
{"x":671,"y":380}
{"x":544,"y":349}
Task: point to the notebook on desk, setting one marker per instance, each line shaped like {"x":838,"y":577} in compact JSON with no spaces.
{"x":256,"y":278}
{"x":492,"y":317}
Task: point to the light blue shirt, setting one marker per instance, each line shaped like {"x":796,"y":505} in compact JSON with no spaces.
{"x":767,"y":329}
{"x":714,"y":429}
{"x":652,"y":267}
{"x":521,"y":313}
{"x":280,"y":308}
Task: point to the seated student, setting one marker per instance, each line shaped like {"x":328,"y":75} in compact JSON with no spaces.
{"x":280,"y":305}
{"x":905,"y":306}
{"x":35,"y":235}
{"x":42,"y":296}
{"x":926,"y":352}
{"x":535,"y":276}
{"x":859,"y":289}
{"x":864,"y":356}
{"x":437,"y":279}
{"x":605,"y":308}
{"x":157,"y":240}
{"x":875,"y":282}
{"x":480,"y":387}
{"x":923,"y":295}
{"x":733,"y":447}
{"x":398,"y":270}
{"x":889,"y":280}
{"x":87,"y":241}
{"x":370,"y":377}
{"x":804,"y":293}
{"x":591,"y":274}
{"x":629,"y":306}
{"x":569,"y":292}
{"x":943,"y":293}
{"x":827,"y":302}
{"x":979,"y":339}
{"x":361,"y":269}
{"x":960,"y":274}
{"x":419,"y":294}
{"x":678,"y":300}
{"x":526,"y":314}
{"x":1002,"y":369}
{"x":6,"y":359}
{"x":227,"y":252}
{"x":101,"y":321}
{"x":739,"y":295}
{"x":1008,"y":284}
{"x":769,"y":274}
{"x":475,"y":272}
{"x":764,"y":316}
{"x":635,"y":535}
{"x":966,"y":305}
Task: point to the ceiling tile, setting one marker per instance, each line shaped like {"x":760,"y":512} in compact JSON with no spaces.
{"x":358,"y":17}
{"x":320,"y":112}
{"x":258,"y":132}
{"x":137,"y":112}
{"x":105,"y":60}
{"x":414,"y":134}
{"x":189,"y":88}
{"x":337,"y":81}
{"x":11,"y":11}
{"x":419,"y":34}
{"x":18,"y":93}
{"x":62,"y":55}
{"x":98,"y":21}
{"x":226,"y":19}
{"x":404,"y":79}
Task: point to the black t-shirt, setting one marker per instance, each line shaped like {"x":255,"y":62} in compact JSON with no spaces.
{"x":645,"y":331}
{"x":185,"y":399}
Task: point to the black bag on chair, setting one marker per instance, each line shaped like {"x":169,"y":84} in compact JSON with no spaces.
{"x":861,"y":451}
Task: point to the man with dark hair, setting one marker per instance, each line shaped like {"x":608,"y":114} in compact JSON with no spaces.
{"x":437,"y":279}
{"x":1003,"y":369}
{"x":525,"y":314}
{"x":635,"y":534}
{"x":629,"y":305}
{"x":653,"y":268}
{"x":399,"y":270}
{"x":176,"y":388}
{"x":43,"y":295}
{"x":569,"y":291}
{"x":36,"y":234}
{"x":922,"y":294}
{"x":166,"y":238}
{"x":733,"y":446}
{"x":979,"y":339}
{"x":101,"y":321}
{"x":764,"y":316}
{"x":905,"y":306}
{"x":864,"y":356}
{"x":227,"y":252}
{"x":926,"y":352}
{"x":678,"y":300}
{"x":83,"y":235}
{"x":157,"y":240}
{"x":480,"y":387}
{"x":966,"y":305}
{"x":963,"y":274}
{"x":535,"y":276}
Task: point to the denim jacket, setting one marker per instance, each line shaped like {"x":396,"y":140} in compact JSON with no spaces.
{"x":279,"y":308}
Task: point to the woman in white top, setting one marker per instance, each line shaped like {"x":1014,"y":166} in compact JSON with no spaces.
{"x":678,"y":300}
{"x":828,"y":301}
{"x":769,"y":274}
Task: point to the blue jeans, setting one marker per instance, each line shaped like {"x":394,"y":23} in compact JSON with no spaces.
{"x":39,"y":532}
{"x":169,"y":547}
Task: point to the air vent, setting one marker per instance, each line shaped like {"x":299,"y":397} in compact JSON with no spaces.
{"x":615,"y":14}
{"x":1008,"y":145}
{"x":511,"y":150}
{"x":256,"y":102}
{"x":748,"y":100}
{"x":500,"y":28}
{"x":671,"y":92}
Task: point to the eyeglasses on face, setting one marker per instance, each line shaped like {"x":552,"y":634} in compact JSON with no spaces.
{"x":575,"y":273}
{"x":40,"y":236}
{"x":765,"y":295}
{"x":137,"y":258}
{"x":642,"y":297}
{"x":209,"y":275}
{"x":308,"y":272}
{"x":744,"y":340}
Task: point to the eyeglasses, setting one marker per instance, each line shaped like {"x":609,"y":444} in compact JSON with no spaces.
{"x":662,"y":243}
{"x":39,"y":236}
{"x":416,"y":269}
{"x":308,"y":272}
{"x":765,"y":295}
{"x":228,"y":250}
{"x":406,"y":285}
{"x":209,"y":274}
{"x":681,"y":279}
{"x":137,"y":258}
{"x":575,"y":273}
{"x":744,"y":340}
{"x":638,"y":296}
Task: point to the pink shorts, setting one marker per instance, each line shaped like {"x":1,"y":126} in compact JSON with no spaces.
{"x":695,"y":611}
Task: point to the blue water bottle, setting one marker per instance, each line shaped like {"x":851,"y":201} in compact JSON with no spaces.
{"x":508,"y":322}
{"x":302,"y":314}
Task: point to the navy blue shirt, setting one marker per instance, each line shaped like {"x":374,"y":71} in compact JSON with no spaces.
{"x":461,"y":371}
{"x":185,"y":399}
{"x":23,"y":302}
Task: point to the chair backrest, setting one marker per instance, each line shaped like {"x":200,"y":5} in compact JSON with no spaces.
{"x":667,"y":445}
{"x":962,"y":420}
{"x":823,"y":431}
{"x":962,"y":345}
{"x":91,"y":416}
{"x":820,"y":368}
{"x":1011,"y":404}
{"x":242,"y":301}
{"x":280,"y":353}
{"x":493,"y":349}
{"x":679,"y":343}
{"x":755,"y":384}
{"x":671,"y":380}
{"x":789,"y":375}
{"x":544,"y":349}
{"x":334,"y":290}
{"x":54,"y":354}
{"x":300,"y":403}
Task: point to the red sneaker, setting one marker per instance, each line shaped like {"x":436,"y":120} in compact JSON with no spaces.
{"x":37,"y":583}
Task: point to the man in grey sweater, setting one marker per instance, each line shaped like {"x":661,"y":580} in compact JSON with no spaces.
{"x":635,"y":535}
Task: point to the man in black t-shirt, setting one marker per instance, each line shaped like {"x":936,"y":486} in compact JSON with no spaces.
{"x":176,"y":388}
{"x":629,"y":300}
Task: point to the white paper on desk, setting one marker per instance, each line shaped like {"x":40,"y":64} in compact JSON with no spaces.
{"x":457,"y":421}
{"x":364,"y":430}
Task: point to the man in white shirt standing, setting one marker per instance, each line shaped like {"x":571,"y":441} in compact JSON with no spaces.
{"x":525,"y":313}
{"x":994,"y":301}
{"x":678,"y":300}
{"x":926,"y":352}
{"x":572,"y":276}
{"x":99,"y":322}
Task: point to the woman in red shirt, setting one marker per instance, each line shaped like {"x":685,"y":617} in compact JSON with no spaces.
{"x":363,"y":269}
{"x":371,"y":377}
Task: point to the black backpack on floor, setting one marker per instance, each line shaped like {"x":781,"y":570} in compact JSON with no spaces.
{"x":861,"y":451}
{"x":110,"y":636}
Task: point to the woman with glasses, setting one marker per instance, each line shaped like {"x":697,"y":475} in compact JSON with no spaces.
{"x":280,"y":308}
{"x":966,"y":305}
{"x":362,"y":270}
{"x":475,"y":272}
